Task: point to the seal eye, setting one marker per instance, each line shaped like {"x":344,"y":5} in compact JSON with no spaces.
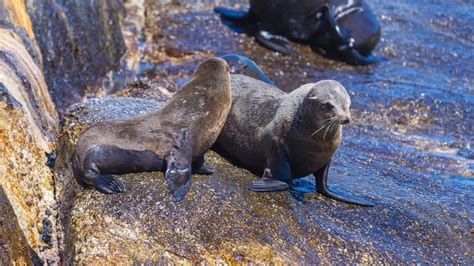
{"x":328,"y":106}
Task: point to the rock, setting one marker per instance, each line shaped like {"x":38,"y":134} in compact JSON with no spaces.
{"x":22,"y":81}
{"x":26,"y":182}
{"x":13,"y":244}
{"x":28,"y":127}
{"x":148,"y":89}
{"x":221,"y":221}
{"x":80,"y":42}
{"x":65,"y":49}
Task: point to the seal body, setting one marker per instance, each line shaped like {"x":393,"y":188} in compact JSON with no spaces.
{"x":342,"y":29}
{"x":172,"y":139}
{"x":286,"y":136}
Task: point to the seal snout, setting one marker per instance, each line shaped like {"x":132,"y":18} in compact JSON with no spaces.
{"x":345,"y":120}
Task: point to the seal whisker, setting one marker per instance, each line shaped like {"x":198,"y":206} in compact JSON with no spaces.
{"x":330,"y":118}
{"x":324,"y":125}
{"x":319,"y":129}
{"x":328,"y":128}
{"x":336,"y":124}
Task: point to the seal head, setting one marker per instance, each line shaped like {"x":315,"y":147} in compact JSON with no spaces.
{"x":327,"y":106}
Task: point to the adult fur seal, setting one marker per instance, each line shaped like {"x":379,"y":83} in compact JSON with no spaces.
{"x":240,"y":64}
{"x":286,"y":136}
{"x":172,"y":139}
{"x":341,"y":29}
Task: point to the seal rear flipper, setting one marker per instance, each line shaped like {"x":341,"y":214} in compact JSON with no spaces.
{"x":275,"y":42}
{"x":322,"y":187}
{"x":199,"y":167}
{"x":108,"y":184}
{"x":239,"y":21}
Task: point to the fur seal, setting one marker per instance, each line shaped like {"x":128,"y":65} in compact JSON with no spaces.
{"x":346,"y":30}
{"x":240,"y":64}
{"x":172,"y":139}
{"x":286,"y":136}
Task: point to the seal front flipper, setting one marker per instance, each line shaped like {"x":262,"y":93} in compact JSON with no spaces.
{"x":275,"y":42}
{"x":178,"y":179}
{"x":178,"y":169}
{"x":321,"y":176}
{"x":199,"y":167}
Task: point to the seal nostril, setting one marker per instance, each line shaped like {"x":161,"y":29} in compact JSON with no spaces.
{"x":346,"y":120}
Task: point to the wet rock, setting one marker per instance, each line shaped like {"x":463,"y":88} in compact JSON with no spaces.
{"x":25,"y":180}
{"x":75,"y":44}
{"x":80,"y":43}
{"x":13,"y":244}
{"x":28,"y":126}
{"x":22,"y":81}
{"x":148,"y":89}
{"x":221,"y":221}
{"x":51,"y":55}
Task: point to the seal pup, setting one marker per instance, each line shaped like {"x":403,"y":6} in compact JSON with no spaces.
{"x":240,"y":64}
{"x":346,"y":30}
{"x":172,"y":139}
{"x":286,"y":136}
